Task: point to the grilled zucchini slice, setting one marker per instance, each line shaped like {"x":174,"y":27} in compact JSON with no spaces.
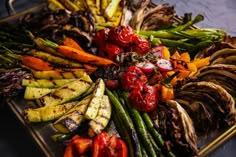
{"x":47,"y":113}
{"x":45,"y":83}
{"x":94,"y":105}
{"x":73,"y":118}
{"x":100,"y":122}
{"x":67,"y":74}
{"x":66,"y":93}
{"x":32,"y":93}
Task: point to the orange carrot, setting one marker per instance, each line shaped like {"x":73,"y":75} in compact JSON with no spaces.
{"x":90,"y":67}
{"x":71,"y":43}
{"x":36,"y":63}
{"x":83,"y":56}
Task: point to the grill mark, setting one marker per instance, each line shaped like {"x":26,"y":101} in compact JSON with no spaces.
{"x":61,"y":73}
{"x":99,"y":123}
{"x":74,"y":74}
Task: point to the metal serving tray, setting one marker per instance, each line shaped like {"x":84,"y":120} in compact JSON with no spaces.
{"x":41,"y":132}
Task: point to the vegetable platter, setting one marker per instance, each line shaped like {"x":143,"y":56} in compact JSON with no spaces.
{"x":118,"y":78}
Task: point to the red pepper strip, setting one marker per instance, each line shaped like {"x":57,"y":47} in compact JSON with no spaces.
{"x":78,"y":146}
{"x":69,"y":151}
{"x":116,"y":148}
{"x":106,"y":146}
{"x":99,"y":143}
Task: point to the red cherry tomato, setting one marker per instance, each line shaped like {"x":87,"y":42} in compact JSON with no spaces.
{"x":100,"y":39}
{"x":112,"y":84}
{"x":139,"y":45}
{"x":121,"y":35}
{"x":111,"y":50}
{"x":144,"y":98}
{"x":132,"y":78}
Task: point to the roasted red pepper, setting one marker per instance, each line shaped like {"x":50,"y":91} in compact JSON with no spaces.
{"x":121,"y":35}
{"x":133,"y":77}
{"x":78,"y":146}
{"x":144,"y":98}
{"x":106,"y":146}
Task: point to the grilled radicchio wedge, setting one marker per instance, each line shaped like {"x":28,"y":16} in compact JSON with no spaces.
{"x":176,"y":127}
{"x":218,"y":74}
{"x":208,"y":104}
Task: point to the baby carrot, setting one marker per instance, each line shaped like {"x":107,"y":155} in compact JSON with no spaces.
{"x":83,"y":56}
{"x":36,"y":63}
{"x":71,"y":43}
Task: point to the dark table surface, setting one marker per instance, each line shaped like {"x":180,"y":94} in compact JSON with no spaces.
{"x":15,"y":141}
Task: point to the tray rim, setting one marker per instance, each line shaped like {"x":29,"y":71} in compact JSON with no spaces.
{"x":205,"y":150}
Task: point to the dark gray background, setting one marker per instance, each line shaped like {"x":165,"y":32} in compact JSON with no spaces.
{"x":14,"y":138}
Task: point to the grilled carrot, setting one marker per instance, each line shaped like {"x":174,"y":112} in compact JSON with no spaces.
{"x":36,"y":63}
{"x":83,"y":56}
{"x":71,"y":43}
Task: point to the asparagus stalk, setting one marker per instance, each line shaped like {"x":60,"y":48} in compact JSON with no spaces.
{"x":141,"y":129}
{"x":157,"y":137}
{"x":127,"y":122}
{"x":197,"y":19}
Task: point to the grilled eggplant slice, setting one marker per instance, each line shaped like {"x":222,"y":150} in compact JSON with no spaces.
{"x":47,"y":113}
{"x":74,"y":117}
{"x":176,"y":128}
{"x":66,"y":93}
{"x":208,"y":104}
{"x":221,"y":74}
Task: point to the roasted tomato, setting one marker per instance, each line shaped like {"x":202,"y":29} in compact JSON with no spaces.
{"x":144,"y":98}
{"x":106,"y":146}
{"x":121,"y":35}
{"x":132,"y":78}
{"x":111,"y":50}
{"x":100,"y":39}
{"x":139,"y":45}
